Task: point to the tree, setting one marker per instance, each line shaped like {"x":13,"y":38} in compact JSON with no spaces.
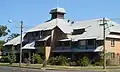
{"x":1,"y":45}
{"x":11,"y":57}
{"x":84,"y":61}
{"x":13,"y":35}
{"x":3,"y":30}
{"x":37,"y":58}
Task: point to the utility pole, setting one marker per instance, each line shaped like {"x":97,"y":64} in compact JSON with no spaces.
{"x":21,"y":29}
{"x":104,"y":49}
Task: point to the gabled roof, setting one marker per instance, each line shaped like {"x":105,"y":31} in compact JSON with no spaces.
{"x":61,"y":23}
{"x":14,"y":41}
{"x":115,"y":28}
{"x":93,"y":29}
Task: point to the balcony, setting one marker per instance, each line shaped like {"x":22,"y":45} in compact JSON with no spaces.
{"x":76,"y":49}
{"x":84,"y":48}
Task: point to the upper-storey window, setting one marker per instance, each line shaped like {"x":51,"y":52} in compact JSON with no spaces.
{"x":112,"y":42}
{"x":45,"y":33}
{"x":78,"y":31}
{"x":82,"y":42}
{"x":91,"y":42}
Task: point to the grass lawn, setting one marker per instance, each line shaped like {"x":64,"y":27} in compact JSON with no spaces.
{"x":39,"y":66}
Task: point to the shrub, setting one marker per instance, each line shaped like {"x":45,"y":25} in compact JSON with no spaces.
{"x":58,"y":60}
{"x":27,"y":61}
{"x":108,"y":62}
{"x":99,"y":63}
{"x":84,"y":61}
{"x":37,"y":58}
{"x":52,"y":61}
{"x":62,"y":60}
{"x":79,"y":62}
{"x":4,"y":59}
{"x":11,"y":57}
{"x":73,"y":63}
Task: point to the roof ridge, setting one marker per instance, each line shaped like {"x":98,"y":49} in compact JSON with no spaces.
{"x":87,"y":20}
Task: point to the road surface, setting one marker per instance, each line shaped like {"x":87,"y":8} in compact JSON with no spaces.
{"x":16,"y":69}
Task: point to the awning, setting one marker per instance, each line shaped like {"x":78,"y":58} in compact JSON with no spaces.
{"x":65,"y":40}
{"x":114,"y":36}
{"x":45,"y":38}
{"x":29,"y":46}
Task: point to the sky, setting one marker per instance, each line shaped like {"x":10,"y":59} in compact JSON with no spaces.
{"x":34,"y":12}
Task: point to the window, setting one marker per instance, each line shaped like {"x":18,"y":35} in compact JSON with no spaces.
{"x":39,"y":44}
{"x":59,"y":43}
{"x":112,"y":55}
{"x":66,"y":44}
{"x":78,"y":31}
{"x":82,"y":43}
{"x":91,"y":42}
{"x":34,"y":34}
{"x":99,"y":42}
{"x":74,"y":44}
{"x":112,"y":43}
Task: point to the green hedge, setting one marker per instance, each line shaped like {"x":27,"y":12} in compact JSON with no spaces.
{"x":58,"y":60}
{"x":37,"y":58}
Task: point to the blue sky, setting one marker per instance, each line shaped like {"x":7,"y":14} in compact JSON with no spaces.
{"x":34,"y":12}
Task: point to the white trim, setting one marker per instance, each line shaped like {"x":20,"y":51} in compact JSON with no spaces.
{"x":114,"y":36}
{"x":29,"y":46}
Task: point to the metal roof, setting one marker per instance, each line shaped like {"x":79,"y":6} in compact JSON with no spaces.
{"x":93,"y":29}
{"x":29,"y":46}
{"x":82,"y":37}
{"x":114,"y":36}
{"x":65,"y":40}
{"x":59,"y":10}
{"x":14,"y":41}
{"x":45,"y":38}
{"x":61,"y":23}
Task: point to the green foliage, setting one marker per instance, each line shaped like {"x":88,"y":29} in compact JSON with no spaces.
{"x":58,"y":60}
{"x":4,"y":58}
{"x":108,"y":62}
{"x":37,"y":58}
{"x":1,"y":45}
{"x":73,"y":63}
{"x":3,"y":31}
{"x":99,"y":63}
{"x":52,"y":60}
{"x":27,"y":61}
{"x":84,"y":61}
{"x":11,"y":57}
{"x":62,"y":60}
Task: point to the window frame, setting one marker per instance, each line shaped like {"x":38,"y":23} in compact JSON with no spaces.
{"x":112,"y":42}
